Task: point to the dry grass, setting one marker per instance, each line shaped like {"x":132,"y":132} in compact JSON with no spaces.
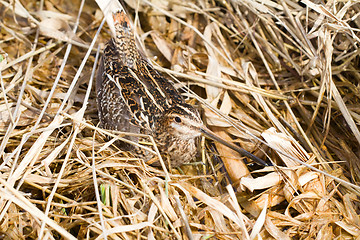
{"x":252,"y":65}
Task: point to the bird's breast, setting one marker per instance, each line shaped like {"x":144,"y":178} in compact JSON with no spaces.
{"x":179,"y":151}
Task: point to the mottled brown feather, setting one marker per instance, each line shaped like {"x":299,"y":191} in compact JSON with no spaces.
{"x":134,"y":97}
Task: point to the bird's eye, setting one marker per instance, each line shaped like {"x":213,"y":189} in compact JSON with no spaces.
{"x":177,"y":119}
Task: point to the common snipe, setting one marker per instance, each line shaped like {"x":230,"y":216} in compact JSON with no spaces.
{"x":134,"y":97}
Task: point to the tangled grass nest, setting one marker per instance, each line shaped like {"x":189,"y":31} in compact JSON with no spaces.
{"x":280,"y":78}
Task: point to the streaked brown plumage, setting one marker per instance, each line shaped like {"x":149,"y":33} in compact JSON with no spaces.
{"x":134,"y":97}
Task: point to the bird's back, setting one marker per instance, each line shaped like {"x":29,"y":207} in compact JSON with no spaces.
{"x":131,"y":93}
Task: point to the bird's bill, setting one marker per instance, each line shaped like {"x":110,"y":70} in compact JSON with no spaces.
{"x":210,"y":134}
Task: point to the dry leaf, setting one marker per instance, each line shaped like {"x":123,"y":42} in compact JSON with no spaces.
{"x":58,"y":29}
{"x":285,"y":144}
{"x":269,"y":180}
{"x":164,"y":47}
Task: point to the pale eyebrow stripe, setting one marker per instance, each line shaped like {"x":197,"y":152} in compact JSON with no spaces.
{"x":189,"y":112}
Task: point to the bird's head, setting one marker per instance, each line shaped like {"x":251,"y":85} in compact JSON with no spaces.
{"x":182,"y":121}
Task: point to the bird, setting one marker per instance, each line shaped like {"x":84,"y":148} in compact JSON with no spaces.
{"x":134,"y":97}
